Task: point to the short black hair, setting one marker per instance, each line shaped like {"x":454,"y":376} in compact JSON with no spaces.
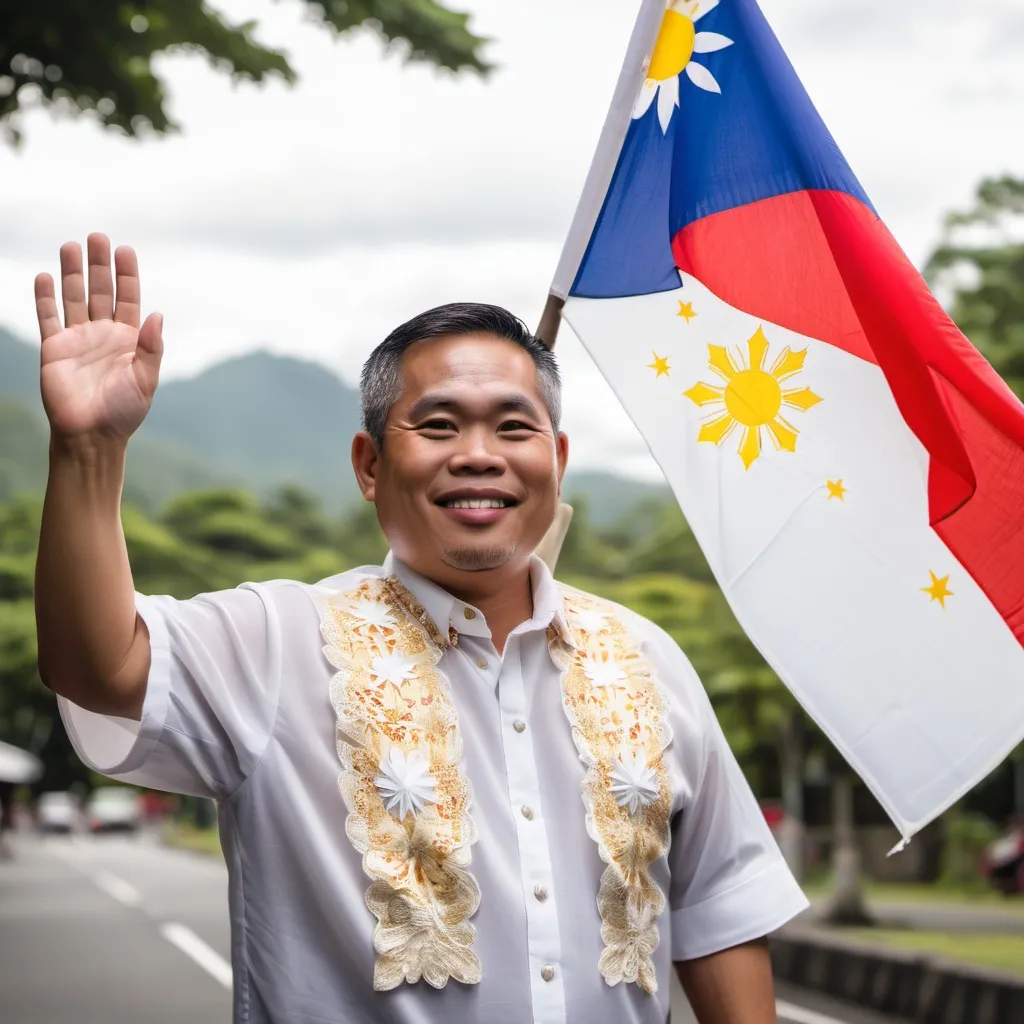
{"x":380,"y":383}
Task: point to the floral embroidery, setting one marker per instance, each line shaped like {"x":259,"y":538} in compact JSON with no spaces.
{"x":633,"y":782}
{"x":618,"y":723}
{"x":397,"y":735}
{"x":405,"y":783}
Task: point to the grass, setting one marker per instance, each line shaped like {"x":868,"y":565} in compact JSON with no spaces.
{"x":1003,"y":952}
{"x":199,"y":840}
{"x":924,"y":892}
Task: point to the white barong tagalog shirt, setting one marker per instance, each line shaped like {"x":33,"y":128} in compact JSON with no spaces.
{"x":239,"y":708}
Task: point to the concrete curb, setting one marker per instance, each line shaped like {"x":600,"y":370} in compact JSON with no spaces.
{"x":921,"y":988}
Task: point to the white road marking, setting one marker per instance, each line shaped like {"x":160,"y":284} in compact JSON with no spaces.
{"x":798,"y":1015}
{"x":192,"y":946}
{"x":220,"y":970}
{"x":118,"y":888}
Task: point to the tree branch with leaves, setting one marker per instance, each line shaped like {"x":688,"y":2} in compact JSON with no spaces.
{"x":96,"y":57}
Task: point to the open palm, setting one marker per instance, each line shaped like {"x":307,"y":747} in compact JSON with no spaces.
{"x":99,"y":369}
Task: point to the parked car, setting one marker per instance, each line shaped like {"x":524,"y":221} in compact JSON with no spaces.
{"x":58,"y":812}
{"x":1003,"y":863}
{"x":113,"y":809}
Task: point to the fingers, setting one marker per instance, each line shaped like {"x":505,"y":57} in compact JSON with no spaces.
{"x":129,"y":294}
{"x":72,"y":284}
{"x":46,"y":308}
{"x":149,"y":352}
{"x":101,"y":283}
{"x":101,"y":304}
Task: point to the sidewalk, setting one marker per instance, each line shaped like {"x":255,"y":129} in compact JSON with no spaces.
{"x":866,"y":969}
{"x":984,"y":929}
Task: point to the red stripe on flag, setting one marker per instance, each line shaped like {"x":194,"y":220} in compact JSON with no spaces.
{"x":823,"y":265}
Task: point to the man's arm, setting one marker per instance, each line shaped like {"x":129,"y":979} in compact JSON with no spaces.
{"x":733,"y":986}
{"x":98,"y":375}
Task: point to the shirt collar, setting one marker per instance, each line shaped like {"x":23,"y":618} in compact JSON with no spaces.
{"x":446,"y":610}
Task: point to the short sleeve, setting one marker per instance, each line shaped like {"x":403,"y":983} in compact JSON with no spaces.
{"x":729,"y":881}
{"x":211,"y":697}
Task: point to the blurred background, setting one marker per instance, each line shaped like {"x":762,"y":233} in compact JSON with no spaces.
{"x":300,"y":176}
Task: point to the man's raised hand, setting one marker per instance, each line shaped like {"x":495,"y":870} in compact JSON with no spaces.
{"x":99,"y":369}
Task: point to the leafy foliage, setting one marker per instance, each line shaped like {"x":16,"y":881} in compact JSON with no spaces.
{"x":97,"y":56}
{"x":214,"y":539}
{"x":981,"y":260}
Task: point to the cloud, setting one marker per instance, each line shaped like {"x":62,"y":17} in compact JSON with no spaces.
{"x":313,"y":220}
{"x":440,"y":206}
{"x":1007,"y":37}
{"x":837,"y":25}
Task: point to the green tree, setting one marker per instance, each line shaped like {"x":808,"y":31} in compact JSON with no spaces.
{"x":23,"y":451}
{"x":584,"y":550}
{"x":97,"y":55}
{"x":980,"y":264}
{"x":358,"y":538}
{"x":232,"y":523}
{"x":666,"y":543}
{"x":301,"y":512}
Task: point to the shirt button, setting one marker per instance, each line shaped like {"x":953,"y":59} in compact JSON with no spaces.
{"x":527,"y":811}
{"x":547,"y":972}
{"x":540,"y":893}
{"x":519,"y":725}
{"x":481,"y":663}
{"x":469,"y":613}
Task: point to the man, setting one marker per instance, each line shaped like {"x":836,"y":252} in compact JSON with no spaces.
{"x":520,"y":807}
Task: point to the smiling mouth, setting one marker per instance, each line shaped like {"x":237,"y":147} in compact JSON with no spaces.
{"x":477,"y":503}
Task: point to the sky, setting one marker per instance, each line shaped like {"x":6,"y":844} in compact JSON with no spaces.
{"x":310,"y":220}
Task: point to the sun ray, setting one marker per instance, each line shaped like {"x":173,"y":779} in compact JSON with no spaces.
{"x":647,"y":95}
{"x":800,"y":398}
{"x":703,"y":394}
{"x":721,"y":362}
{"x":710,"y":42}
{"x":788,"y":363}
{"x":718,"y":429}
{"x":758,"y":348}
{"x":702,"y":77}
{"x":752,"y":397}
{"x":668,"y":100}
{"x":782,"y":433}
{"x":671,"y":58}
{"x":750,"y":446}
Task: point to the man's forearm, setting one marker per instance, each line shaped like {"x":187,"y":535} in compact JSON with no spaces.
{"x":731,"y":987}
{"x":92,"y":647}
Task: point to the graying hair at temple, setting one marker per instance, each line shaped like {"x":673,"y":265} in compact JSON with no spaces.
{"x":381,"y":379}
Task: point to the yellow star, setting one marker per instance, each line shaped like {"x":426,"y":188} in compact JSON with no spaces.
{"x":836,"y":489}
{"x":686,"y":310}
{"x":659,"y":366}
{"x":938,"y":591}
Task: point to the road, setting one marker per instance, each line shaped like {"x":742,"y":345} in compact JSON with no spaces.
{"x":94,"y":930}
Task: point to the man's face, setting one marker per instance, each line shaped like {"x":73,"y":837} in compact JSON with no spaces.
{"x":469,"y":475}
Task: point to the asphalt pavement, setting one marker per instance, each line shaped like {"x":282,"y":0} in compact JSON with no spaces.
{"x":123,"y":931}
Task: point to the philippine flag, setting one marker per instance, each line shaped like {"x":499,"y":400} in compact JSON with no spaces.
{"x":851,"y":466}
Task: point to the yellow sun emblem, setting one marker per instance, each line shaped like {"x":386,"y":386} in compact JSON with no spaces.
{"x":673,"y":53}
{"x":752,"y":397}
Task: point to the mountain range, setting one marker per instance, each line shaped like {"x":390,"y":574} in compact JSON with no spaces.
{"x":258,"y":421}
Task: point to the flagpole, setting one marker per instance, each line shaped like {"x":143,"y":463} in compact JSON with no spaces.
{"x":550,"y":321}
{"x":551,"y":544}
{"x":613,"y":134}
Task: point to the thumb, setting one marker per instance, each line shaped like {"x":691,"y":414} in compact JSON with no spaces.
{"x":148,"y":353}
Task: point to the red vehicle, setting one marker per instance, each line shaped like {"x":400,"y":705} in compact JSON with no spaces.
{"x":1003,"y":863}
